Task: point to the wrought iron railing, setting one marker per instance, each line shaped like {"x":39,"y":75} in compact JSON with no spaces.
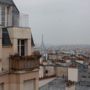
{"x":20,"y":63}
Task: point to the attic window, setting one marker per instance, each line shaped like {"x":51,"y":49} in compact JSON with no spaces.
{"x":5,"y":38}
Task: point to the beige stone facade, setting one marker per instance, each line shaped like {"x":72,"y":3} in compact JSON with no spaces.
{"x":28,"y":80}
{"x":24,"y":80}
{"x":46,"y":71}
{"x":18,"y":67}
{"x":15,"y":34}
{"x":61,"y":71}
{"x":17,"y":81}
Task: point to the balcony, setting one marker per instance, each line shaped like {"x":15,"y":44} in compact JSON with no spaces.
{"x":23,"y":63}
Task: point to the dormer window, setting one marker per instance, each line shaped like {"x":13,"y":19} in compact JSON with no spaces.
{"x":9,"y":14}
{"x":22,"y":45}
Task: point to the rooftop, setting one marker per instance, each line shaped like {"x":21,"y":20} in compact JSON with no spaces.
{"x":60,"y":84}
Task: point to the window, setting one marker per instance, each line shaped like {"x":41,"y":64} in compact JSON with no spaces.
{"x":0,"y":15}
{"x":22,"y":47}
{"x":5,"y":37}
{"x":83,"y":76}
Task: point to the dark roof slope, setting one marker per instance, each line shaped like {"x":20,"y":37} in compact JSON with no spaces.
{"x":7,"y":1}
{"x":15,"y":11}
{"x":32,"y":41}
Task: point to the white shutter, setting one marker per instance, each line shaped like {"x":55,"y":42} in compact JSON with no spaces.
{"x":29,"y":85}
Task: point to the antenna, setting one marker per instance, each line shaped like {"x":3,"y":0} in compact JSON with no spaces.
{"x":42,"y":43}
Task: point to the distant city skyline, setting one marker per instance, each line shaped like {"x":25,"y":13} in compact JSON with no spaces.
{"x":60,"y":21}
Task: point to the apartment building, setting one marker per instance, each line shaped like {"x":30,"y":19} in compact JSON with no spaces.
{"x":18,"y":66}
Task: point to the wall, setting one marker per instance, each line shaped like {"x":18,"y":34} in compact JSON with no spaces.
{"x":33,"y":76}
{"x":16,"y":81}
{"x":73,"y":74}
{"x":41,"y":72}
{"x":6,"y":52}
{"x":14,"y":33}
{"x":70,"y":88}
{"x":20,"y":33}
{"x":61,"y":71}
{"x":50,"y":71}
{"x":84,"y":75}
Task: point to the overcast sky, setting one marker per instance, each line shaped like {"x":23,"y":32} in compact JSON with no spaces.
{"x":60,"y":21}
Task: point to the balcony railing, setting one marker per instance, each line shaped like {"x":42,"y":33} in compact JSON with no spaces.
{"x":23,"y":63}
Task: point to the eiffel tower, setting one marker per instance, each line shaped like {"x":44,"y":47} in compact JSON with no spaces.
{"x":43,"y":50}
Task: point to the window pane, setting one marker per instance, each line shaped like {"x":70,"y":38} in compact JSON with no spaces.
{"x":22,"y":50}
{"x":21,"y":47}
{"x":22,"y":42}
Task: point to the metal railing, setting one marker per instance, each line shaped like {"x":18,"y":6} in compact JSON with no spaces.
{"x":19,"y":63}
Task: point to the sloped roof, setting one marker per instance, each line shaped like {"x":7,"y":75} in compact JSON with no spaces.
{"x":7,"y":2}
{"x":32,"y":41}
{"x":10,"y":2}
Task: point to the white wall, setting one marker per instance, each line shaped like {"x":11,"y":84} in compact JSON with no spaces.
{"x":41,"y":72}
{"x":73,"y":74}
{"x":70,"y":88}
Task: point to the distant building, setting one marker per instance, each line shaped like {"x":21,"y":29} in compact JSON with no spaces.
{"x":73,"y":74}
{"x":79,"y":73}
{"x":18,"y":67}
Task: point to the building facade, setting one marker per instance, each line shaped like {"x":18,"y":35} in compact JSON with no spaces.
{"x":18,"y":67}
